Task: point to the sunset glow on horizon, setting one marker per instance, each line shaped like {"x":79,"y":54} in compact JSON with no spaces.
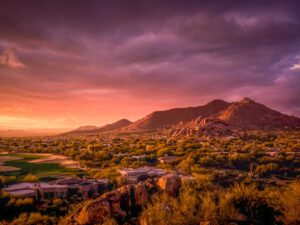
{"x":94,"y":62}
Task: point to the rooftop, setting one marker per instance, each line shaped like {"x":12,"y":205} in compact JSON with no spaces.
{"x":142,"y":170}
{"x":23,"y":192}
{"x":20,"y":186}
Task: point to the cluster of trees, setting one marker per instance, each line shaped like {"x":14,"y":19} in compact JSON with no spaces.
{"x":31,"y":219}
{"x":20,"y":210}
{"x":6,"y":180}
{"x":246,"y":153}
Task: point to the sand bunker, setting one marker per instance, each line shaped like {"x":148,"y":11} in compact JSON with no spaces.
{"x":62,"y":160}
{"x":4,"y":159}
{"x":8,"y":168}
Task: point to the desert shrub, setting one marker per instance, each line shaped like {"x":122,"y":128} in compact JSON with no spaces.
{"x":30,"y":178}
{"x":33,"y":219}
{"x":290,"y":202}
{"x":5,"y":180}
{"x":110,"y":222}
{"x":252,"y":205}
{"x":57,"y":202}
{"x":20,"y":202}
{"x":266,"y":169}
{"x":240,"y":204}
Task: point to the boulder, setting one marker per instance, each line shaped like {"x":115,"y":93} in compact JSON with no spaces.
{"x":124,"y":202}
{"x":95,"y":212}
{"x":170,"y":183}
{"x":141,"y":195}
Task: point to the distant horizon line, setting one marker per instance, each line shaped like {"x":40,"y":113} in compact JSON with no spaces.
{"x":57,"y":130}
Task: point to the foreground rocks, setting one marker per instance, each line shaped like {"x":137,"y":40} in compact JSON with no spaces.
{"x":125,"y":202}
{"x":170,"y":183}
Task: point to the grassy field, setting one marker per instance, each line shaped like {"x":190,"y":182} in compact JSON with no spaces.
{"x":42,"y":170}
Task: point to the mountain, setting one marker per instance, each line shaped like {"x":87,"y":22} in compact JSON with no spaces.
{"x":114,"y":126}
{"x":248,"y":114}
{"x":86,"y":128}
{"x":106,"y":128}
{"x":167,"y":118}
{"x":224,"y":117}
{"x":216,"y":118}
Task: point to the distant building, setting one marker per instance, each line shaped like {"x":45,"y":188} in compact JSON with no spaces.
{"x":168,"y":159}
{"x":135,"y":175}
{"x":62,"y":188}
{"x":138,"y":157}
{"x":85,"y":187}
{"x":49,"y":191}
{"x":37,"y":190}
{"x":120,"y":154}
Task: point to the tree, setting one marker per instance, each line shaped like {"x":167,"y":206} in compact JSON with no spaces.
{"x":30,"y":178}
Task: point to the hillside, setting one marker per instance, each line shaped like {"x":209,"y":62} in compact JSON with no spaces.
{"x":106,"y":128}
{"x":215,"y":118}
{"x":248,"y":114}
{"x":86,"y":128}
{"x":165,"y":119}
{"x":242,"y":115}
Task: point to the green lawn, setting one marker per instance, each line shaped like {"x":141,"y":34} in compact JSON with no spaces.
{"x":42,"y":170}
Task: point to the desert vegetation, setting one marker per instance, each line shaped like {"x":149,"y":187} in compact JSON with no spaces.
{"x":247,"y":179}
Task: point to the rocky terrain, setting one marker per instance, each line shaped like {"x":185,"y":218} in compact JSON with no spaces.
{"x":124,"y":203}
{"x":210,"y":127}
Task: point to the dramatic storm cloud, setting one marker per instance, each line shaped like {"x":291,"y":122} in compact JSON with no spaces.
{"x":92,"y":62}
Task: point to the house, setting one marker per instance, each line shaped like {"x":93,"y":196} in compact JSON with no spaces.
{"x":85,"y":187}
{"x":62,"y":188}
{"x":49,"y":191}
{"x":89,"y":188}
{"x":168,"y":159}
{"x":22,"y":189}
{"x":37,"y":190}
{"x":139,"y":174}
{"x":138,"y":157}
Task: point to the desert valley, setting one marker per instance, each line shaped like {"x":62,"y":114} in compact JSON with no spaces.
{"x":149,"y":112}
{"x":240,"y":157}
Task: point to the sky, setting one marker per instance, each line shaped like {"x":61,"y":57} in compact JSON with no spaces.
{"x":69,"y":63}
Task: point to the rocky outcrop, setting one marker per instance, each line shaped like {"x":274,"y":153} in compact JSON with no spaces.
{"x":250,"y":115}
{"x":125,"y":202}
{"x":170,"y":183}
{"x":210,"y":127}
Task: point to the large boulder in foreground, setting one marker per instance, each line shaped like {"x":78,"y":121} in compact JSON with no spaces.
{"x":170,"y":183}
{"x":123,"y":203}
{"x":95,"y":212}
